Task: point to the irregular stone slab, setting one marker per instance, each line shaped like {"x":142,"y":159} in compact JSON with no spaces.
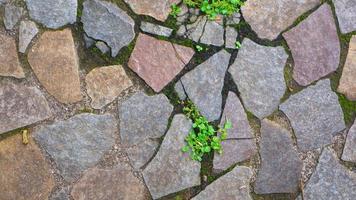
{"x":142,"y":117}
{"x":233,"y":185}
{"x":116,"y":183}
{"x":196,"y":30}
{"x":140,"y":154}
{"x":234,"y":151}
{"x":258,"y":72}
{"x":55,"y":62}
{"x":233,"y":19}
{"x":204,"y":84}
{"x":156,"y":29}
{"x":268,"y":18}
{"x":346,"y":14}
{"x":28,"y":30}
{"x":171,"y":170}
{"x":178,"y":87}
{"x":158,"y":9}
{"x":230,"y":37}
{"x":280,"y":168}
{"x":12,"y":16}
{"x":105,"y":21}
{"x":347,"y":84}
{"x":349,"y":153}
{"x":104,"y":84}
{"x":78,"y":143}
{"x":313,"y":57}
{"x":157,"y":61}
{"x":21,"y":106}
{"x":314,"y":122}
{"x":213,"y":34}
{"x":25,"y":173}
{"x":53,"y":14}
{"x":331,"y":180}
{"x":9,"y":60}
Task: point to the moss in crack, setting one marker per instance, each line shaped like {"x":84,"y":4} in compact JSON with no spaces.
{"x":349,"y":109}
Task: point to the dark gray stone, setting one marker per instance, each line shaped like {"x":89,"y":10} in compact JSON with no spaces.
{"x":349,"y":153}
{"x":106,"y":22}
{"x":171,"y":170}
{"x":213,"y":34}
{"x":258,"y":72}
{"x":233,"y":185}
{"x":28,"y":30}
{"x":12,"y":16}
{"x":280,"y":167}
{"x":331,"y":180}
{"x":142,"y":117}
{"x":21,"y":106}
{"x":346,"y":14}
{"x":156,"y":29}
{"x":140,"y":154}
{"x":315,"y":115}
{"x":78,"y":143}
{"x":204,"y":84}
{"x":53,"y":14}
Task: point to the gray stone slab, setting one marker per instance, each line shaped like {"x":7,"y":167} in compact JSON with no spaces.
{"x":28,"y":30}
{"x":346,"y":14}
{"x":349,"y":153}
{"x":141,"y":153}
{"x":12,"y":16}
{"x":156,"y":29}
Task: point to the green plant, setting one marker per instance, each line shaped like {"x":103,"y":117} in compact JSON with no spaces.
{"x":212,"y":8}
{"x":175,"y":10}
{"x":238,"y":45}
{"x":199,"y":48}
{"x":202,"y":138}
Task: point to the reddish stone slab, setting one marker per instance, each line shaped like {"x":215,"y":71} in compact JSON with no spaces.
{"x":347,"y":83}
{"x":315,"y":46}
{"x":9,"y":60}
{"x":157,"y":61}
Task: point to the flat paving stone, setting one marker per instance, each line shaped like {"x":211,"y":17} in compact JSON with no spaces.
{"x":233,"y":185}
{"x":213,"y":34}
{"x":349,"y":153}
{"x":159,"y":9}
{"x":346,"y":14}
{"x":12,"y":16}
{"x":204,"y":84}
{"x":142,"y":153}
{"x":21,"y":106}
{"x":315,"y":46}
{"x":331,"y":180}
{"x":230,"y":37}
{"x":109,"y":184}
{"x":77,"y":143}
{"x":28,"y":30}
{"x":315,"y":115}
{"x":280,"y":170}
{"x":55,"y":62}
{"x":104,"y":84}
{"x":171,"y":170}
{"x":347,"y":83}
{"x":9,"y":60}
{"x":53,"y":14}
{"x":258,"y":72}
{"x":105,"y":21}
{"x":157,"y":62}
{"x":25,"y":174}
{"x":268,"y":18}
{"x":156,"y":29}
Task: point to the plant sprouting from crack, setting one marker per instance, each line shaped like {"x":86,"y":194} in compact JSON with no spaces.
{"x":202,"y":138}
{"x":175,"y":10}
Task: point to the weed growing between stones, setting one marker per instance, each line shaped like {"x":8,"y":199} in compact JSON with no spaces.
{"x":203,"y":138}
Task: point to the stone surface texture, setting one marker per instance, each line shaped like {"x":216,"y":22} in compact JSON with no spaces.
{"x":156,"y":29}
{"x":346,"y":14}
{"x":141,"y":153}
{"x":104,"y":84}
{"x":315,"y":115}
{"x":61,"y":194}
{"x":159,"y":9}
{"x":28,"y":30}
{"x":12,"y":16}
{"x":171,"y":170}
{"x":9,"y":60}
{"x":280,"y":170}
{"x":109,"y":184}
{"x":233,"y":185}
{"x":258,"y":72}
{"x":55,"y":62}
{"x":157,"y":62}
{"x":349,"y":153}
{"x":78,"y":143}
{"x":313,"y":56}
{"x":53,"y":14}
{"x":347,"y":84}
{"x":21,"y":106}
{"x":25,"y":175}
{"x":204,"y":84}
{"x":331,"y":180}
{"x":105,"y":21}
{"x":268,"y":18}
{"x":213,"y":34}
{"x":230,"y":37}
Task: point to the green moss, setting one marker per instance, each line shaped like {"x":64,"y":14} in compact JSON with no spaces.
{"x":172,"y":95}
{"x":349,"y":108}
